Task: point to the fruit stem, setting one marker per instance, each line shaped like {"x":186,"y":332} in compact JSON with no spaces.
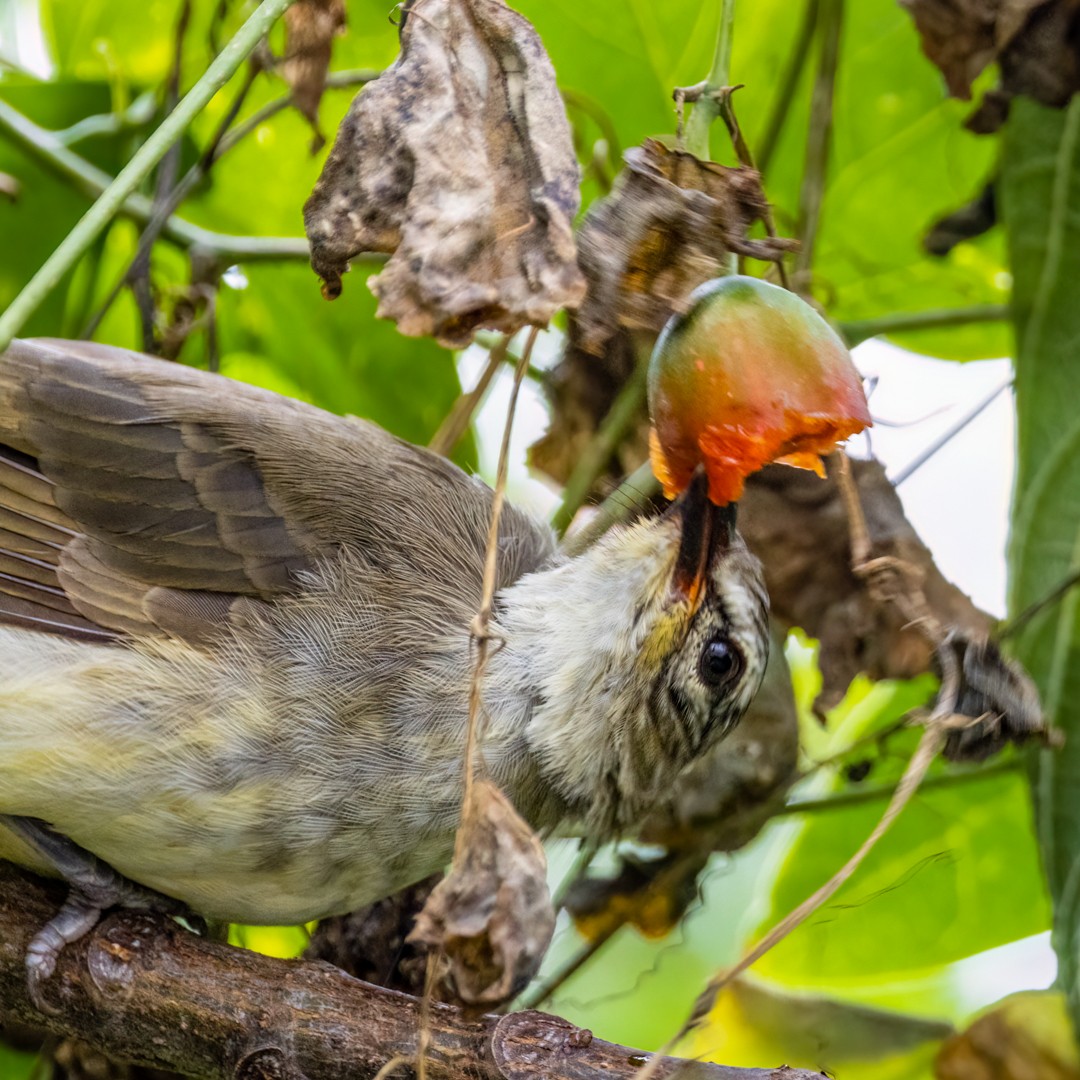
{"x":707,"y":106}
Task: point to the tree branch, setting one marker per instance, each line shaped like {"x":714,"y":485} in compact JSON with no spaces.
{"x":144,"y":991}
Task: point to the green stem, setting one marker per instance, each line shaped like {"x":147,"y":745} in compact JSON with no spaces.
{"x":859,"y":330}
{"x":706,"y":108}
{"x":625,"y":409}
{"x":145,"y":158}
{"x":819,"y":137}
{"x":842,"y":800}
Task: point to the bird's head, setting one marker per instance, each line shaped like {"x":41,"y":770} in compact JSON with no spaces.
{"x":644,"y":651}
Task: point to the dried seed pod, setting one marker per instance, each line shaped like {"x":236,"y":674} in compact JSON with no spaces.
{"x":491,"y":915}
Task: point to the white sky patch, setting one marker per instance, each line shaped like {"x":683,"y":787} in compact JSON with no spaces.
{"x":22,"y":42}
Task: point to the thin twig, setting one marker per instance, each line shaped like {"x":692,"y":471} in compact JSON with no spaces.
{"x":742,"y":152}
{"x":1058,"y":592}
{"x":787,"y":86}
{"x":336,"y":80}
{"x":661,"y":885}
{"x":859,"y":796}
{"x":481,"y":624}
{"x":93,"y":182}
{"x":819,"y":138}
{"x":137,"y":115}
{"x":138,"y":274}
{"x":464,"y":408}
{"x":625,"y":410}
{"x":166,"y":206}
{"x":90,"y":226}
{"x":857,"y":331}
{"x":949,"y":435}
{"x":578,"y":869}
{"x":890,"y":580}
{"x":543,"y":990}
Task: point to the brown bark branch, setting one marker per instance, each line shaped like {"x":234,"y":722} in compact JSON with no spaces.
{"x":147,"y":992}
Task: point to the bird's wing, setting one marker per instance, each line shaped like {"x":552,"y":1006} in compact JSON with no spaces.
{"x":139,"y":496}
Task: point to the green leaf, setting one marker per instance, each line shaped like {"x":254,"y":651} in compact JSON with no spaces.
{"x":754,"y":1022}
{"x":336,"y":355}
{"x":900,"y":157}
{"x":962,"y":855}
{"x":958,"y":871}
{"x":17,"y":1066}
{"x":1041,"y":203}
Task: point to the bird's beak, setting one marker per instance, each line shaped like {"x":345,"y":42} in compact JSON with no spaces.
{"x":707,"y":529}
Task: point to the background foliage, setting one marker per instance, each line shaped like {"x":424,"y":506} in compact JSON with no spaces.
{"x":960,"y":872}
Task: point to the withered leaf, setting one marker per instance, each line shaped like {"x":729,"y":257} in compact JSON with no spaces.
{"x":491,"y":915}
{"x":664,"y":229}
{"x":997,"y":697}
{"x":310,"y":29}
{"x":1036,"y":44}
{"x":652,"y":895}
{"x":798,"y":526}
{"x":457,"y":161}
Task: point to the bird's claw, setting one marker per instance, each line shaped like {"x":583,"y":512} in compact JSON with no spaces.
{"x":94,"y":888}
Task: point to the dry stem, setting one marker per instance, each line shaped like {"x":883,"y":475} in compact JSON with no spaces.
{"x":897,"y":582}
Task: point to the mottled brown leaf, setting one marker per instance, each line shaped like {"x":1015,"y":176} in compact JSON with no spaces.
{"x":798,"y":526}
{"x":997,"y":696}
{"x":458,"y":162}
{"x":310,"y":29}
{"x":1036,"y":44}
{"x":665,"y":228}
{"x":651,"y":895}
{"x":491,"y":915}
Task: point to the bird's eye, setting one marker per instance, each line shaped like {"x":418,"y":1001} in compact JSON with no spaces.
{"x":720,"y":662}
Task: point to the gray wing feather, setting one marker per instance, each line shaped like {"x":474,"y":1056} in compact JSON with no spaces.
{"x":140,"y":496}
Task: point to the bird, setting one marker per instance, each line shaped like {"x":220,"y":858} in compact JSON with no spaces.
{"x":236,"y":647}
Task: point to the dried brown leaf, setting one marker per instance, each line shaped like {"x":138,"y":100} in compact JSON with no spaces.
{"x":491,"y":915}
{"x":798,"y":526}
{"x":310,"y":29}
{"x":1036,"y":43}
{"x":651,"y":895}
{"x":666,"y":228}
{"x":458,"y":162}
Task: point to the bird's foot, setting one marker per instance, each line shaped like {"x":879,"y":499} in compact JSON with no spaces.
{"x":94,"y":888}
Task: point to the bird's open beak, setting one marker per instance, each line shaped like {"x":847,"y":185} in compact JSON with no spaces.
{"x":707,"y":529}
